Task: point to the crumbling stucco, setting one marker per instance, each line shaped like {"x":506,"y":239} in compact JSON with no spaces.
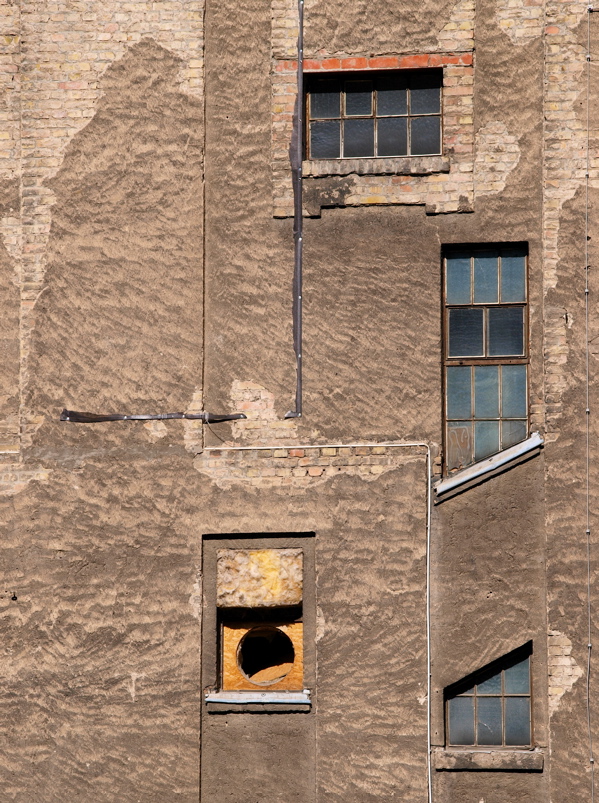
{"x":497,"y":154}
{"x":563,"y":669}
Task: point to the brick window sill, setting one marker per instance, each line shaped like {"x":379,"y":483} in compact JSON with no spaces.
{"x":503,"y":759}
{"x":392,"y":166}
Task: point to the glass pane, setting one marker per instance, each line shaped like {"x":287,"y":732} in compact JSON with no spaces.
{"x":358,"y":98}
{"x":459,"y":393}
{"x":461,"y":720}
{"x":485,"y":278}
{"x":392,"y":136}
{"x":486,"y":439}
{"x":486,"y":391}
{"x":489,"y":720}
{"x":325,"y":99}
{"x":426,"y":135}
{"x":325,"y":140}
{"x":458,"y":279}
{"x":506,"y":331}
{"x":425,"y":93}
{"x":490,"y":686}
{"x":358,"y":138}
{"x":513,"y":391}
{"x":517,"y":720}
{"x":512,"y":432}
{"x":459,"y":445}
{"x":465,"y":332}
{"x":391,"y":96}
{"x":517,"y":678}
{"x":513,"y":277}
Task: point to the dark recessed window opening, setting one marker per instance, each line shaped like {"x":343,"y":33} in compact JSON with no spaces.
{"x":486,"y":353}
{"x":492,"y":707}
{"x":265,"y":655}
{"x":374,"y":114}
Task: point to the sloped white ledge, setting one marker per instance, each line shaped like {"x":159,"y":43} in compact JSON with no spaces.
{"x":488,"y":466}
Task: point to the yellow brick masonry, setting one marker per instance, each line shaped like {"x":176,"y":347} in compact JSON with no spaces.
{"x":440,"y":191}
{"x":53,"y":54}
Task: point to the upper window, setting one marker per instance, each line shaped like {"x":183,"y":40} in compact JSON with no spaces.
{"x":373,"y":114}
{"x":486,"y":353}
{"x":492,"y":707}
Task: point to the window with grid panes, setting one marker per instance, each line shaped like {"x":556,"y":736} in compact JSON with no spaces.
{"x":492,"y":707}
{"x":374,"y":114}
{"x":486,"y":353}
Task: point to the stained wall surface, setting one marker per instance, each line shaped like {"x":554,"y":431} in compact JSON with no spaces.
{"x":142,"y":269}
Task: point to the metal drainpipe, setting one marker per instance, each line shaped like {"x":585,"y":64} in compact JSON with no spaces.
{"x":296,"y":154}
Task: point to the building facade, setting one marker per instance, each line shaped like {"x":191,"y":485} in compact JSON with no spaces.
{"x":391,"y":596}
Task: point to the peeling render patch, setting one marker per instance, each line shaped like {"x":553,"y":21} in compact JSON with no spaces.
{"x":565,"y":168}
{"x":563,"y":669}
{"x":193,"y":430}
{"x":497,"y":155}
{"x":14,"y":479}
{"x":195,"y":599}
{"x":522,"y":20}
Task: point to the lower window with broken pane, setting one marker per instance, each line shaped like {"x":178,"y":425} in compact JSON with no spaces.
{"x":493,"y":707}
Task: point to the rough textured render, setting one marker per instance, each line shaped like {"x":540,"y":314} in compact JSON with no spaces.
{"x":256,"y":578}
{"x":563,"y":669}
{"x":497,"y":155}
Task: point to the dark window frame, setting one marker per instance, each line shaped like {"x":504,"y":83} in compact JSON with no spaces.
{"x":470,"y":684}
{"x":483,"y":359}
{"x":345,"y":77}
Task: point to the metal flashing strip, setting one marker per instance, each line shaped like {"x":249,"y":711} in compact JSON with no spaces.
{"x":246,"y":697}
{"x":535,"y":441}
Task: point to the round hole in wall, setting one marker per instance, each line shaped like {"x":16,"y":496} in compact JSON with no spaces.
{"x":265,"y":655}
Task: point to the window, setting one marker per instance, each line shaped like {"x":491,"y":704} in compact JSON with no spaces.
{"x":374,"y":114}
{"x":486,"y":353}
{"x":492,"y":707}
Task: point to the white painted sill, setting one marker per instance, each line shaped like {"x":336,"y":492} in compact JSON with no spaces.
{"x":264,"y":697}
{"x":501,"y":460}
{"x":389,"y":166}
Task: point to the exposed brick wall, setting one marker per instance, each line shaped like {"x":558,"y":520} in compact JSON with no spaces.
{"x":563,"y":669}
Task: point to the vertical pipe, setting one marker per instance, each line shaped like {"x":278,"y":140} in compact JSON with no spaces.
{"x":296,"y":154}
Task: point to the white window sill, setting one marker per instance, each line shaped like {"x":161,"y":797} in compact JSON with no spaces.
{"x":268,"y":697}
{"x":488,"y":760}
{"x":487,"y":468}
{"x":392,"y":166}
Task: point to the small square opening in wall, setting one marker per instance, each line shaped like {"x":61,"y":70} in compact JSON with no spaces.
{"x":374,"y":114}
{"x":257,"y":588}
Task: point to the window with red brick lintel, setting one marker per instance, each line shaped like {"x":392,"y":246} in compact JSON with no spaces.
{"x":400,"y":126}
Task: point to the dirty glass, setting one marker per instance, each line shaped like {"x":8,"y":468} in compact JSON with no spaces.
{"x":358,"y":138}
{"x":486,"y":278}
{"x":488,"y":720}
{"x":486,"y":439}
{"x":465,"y":332}
{"x":325,"y":99}
{"x":506,"y":331}
{"x":392,"y":136}
{"x":459,"y":391}
{"x":486,"y":391}
{"x":392,"y":96}
{"x":425,"y":93}
{"x":461,"y":720}
{"x":517,"y":678}
{"x":513,"y":391}
{"x":425,"y":135}
{"x":517,"y":720}
{"x":459,"y":444}
{"x":490,"y":686}
{"x":458,"y":279}
{"x":325,"y":139}
{"x":513,"y":432}
{"x":513,"y":277}
{"x":358,"y":98}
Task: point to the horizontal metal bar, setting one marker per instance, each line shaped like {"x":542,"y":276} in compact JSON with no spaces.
{"x":246,"y":697}
{"x":535,"y":441}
